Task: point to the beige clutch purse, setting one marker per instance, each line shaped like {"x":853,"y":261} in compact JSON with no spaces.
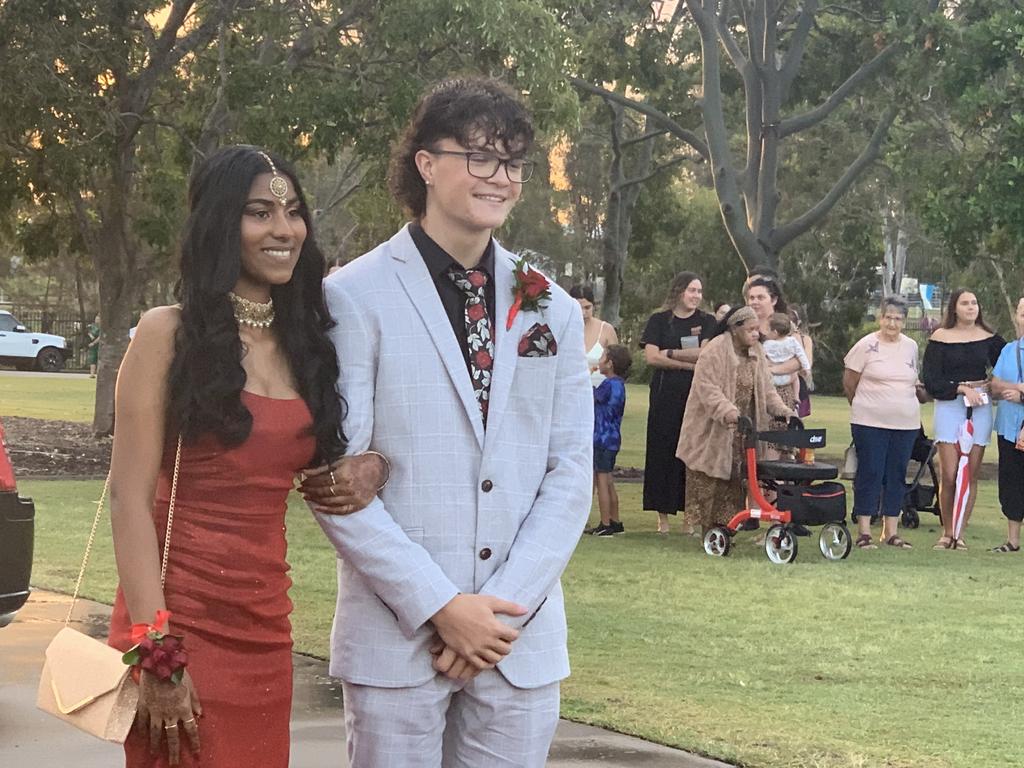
{"x":86,"y":684}
{"x":84,"y":681}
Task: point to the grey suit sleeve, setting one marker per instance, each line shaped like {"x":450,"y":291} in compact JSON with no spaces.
{"x":399,"y":571}
{"x":551,"y":530}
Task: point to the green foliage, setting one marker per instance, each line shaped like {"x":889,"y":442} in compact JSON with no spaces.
{"x":969,"y":193}
{"x":90,"y":121}
{"x":677,"y":227}
{"x":831,"y":275}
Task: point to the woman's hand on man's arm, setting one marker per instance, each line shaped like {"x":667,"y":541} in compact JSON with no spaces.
{"x":346,"y":485}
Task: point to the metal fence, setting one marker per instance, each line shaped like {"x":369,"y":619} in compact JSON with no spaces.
{"x":61,"y":322}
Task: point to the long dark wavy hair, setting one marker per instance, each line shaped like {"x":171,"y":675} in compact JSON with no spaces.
{"x":949,"y":319}
{"x":679,"y":284}
{"x":206,"y":377}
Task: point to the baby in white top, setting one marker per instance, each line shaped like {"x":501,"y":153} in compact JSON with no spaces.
{"x":781,"y":346}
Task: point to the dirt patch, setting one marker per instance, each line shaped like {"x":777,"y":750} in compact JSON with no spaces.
{"x":45,"y":448}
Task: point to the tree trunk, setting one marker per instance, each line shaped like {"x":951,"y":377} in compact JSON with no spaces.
{"x":116,"y":320}
{"x":115,"y":258}
{"x":896,"y":240}
{"x":624,"y":190}
{"x":614,"y":251}
{"x":1011,"y":305}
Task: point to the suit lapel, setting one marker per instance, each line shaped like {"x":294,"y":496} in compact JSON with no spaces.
{"x":419,"y":285}
{"x":506,"y":342}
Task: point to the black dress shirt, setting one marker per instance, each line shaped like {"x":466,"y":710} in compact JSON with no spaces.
{"x":439,"y":264}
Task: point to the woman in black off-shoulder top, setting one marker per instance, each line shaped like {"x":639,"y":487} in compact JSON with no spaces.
{"x":957,"y":360}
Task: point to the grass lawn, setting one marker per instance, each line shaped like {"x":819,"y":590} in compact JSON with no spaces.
{"x":895,"y":659}
{"x":45,"y":397}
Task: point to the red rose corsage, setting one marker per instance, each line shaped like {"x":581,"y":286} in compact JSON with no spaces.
{"x":157,"y":652}
{"x":529,"y":290}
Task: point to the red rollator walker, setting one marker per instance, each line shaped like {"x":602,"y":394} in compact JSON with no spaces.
{"x":799,"y":499}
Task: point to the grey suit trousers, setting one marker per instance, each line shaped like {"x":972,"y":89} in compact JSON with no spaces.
{"x":486,"y":723}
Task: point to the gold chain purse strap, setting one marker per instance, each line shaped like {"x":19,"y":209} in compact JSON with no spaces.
{"x":96,"y":522}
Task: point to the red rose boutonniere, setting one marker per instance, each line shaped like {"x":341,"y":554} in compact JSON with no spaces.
{"x":529,"y":290}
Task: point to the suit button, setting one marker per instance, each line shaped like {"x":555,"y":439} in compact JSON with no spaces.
{"x":485,"y":554}
{"x":486,"y":486}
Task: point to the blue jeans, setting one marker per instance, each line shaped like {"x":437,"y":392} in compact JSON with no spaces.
{"x":882,"y":458}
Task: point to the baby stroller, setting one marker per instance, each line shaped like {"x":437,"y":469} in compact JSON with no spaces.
{"x":920,"y":497}
{"x":798,"y":499}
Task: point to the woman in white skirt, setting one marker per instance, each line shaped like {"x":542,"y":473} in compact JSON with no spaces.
{"x":957,"y":360}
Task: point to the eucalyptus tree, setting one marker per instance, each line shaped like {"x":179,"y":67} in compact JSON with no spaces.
{"x":762,"y":66}
{"x":628,"y":46}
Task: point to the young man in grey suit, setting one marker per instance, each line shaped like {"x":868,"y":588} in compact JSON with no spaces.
{"x":467,"y":371}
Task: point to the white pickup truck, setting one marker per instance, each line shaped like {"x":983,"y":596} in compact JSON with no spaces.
{"x":26,"y":350}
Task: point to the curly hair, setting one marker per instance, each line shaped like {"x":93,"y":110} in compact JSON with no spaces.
{"x":206,"y":375}
{"x":475,"y":112}
{"x":770,"y":284}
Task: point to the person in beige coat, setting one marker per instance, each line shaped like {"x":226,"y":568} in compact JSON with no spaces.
{"x":732,"y":379}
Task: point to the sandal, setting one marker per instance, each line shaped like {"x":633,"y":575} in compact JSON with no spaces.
{"x":1007,"y":547}
{"x":864,"y":541}
{"x":959,"y":544}
{"x":944,"y":542}
{"x":897,"y":542}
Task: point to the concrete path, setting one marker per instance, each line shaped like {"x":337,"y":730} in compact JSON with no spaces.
{"x":36,"y":374}
{"x":31,"y":739}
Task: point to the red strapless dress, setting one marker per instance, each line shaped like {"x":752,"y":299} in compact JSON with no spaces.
{"x":227,"y":587}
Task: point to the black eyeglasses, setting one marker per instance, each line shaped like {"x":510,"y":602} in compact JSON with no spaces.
{"x":483,"y":165}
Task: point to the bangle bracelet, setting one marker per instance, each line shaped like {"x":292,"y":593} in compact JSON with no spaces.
{"x":386,"y":464}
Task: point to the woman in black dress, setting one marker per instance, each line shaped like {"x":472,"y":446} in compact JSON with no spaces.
{"x":671,"y":342}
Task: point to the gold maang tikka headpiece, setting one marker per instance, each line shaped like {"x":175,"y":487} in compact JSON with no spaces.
{"x":278,"y":183}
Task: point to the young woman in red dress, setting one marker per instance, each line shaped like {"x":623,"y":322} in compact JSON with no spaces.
{"x":243,"y":372}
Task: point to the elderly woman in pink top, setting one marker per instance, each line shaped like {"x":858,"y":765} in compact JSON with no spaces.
{"x":880,"y":381}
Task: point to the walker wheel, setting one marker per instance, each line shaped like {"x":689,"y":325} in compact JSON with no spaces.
{"x":718,"y":541}
{"x":780,"y":545}
{"x":910,"y":517}
{"x":834,"y":541}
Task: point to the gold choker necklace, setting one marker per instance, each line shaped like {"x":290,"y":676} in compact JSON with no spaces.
{"x":252,"y":313}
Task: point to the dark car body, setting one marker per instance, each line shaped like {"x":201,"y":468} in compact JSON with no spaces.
{"x":17,"y":539}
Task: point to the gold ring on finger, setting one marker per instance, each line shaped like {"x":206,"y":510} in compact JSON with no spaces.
{"x":333,"y":492}
{"x":169,"y":727}
{"x":190,"y":720}
{"x":333,"y":479}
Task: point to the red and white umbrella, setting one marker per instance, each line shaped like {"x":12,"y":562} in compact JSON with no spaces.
{"x":964,"y":443}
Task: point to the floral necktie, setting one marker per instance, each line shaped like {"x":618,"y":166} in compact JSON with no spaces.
{"x":478,"y":333}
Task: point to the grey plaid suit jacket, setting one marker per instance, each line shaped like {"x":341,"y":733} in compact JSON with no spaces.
{"x":497,"y":513}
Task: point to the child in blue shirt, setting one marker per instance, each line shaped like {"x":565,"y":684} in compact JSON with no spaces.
{"x":609,"y":404}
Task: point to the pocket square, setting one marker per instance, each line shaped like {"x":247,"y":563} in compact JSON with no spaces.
{"x":538,"y":342}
